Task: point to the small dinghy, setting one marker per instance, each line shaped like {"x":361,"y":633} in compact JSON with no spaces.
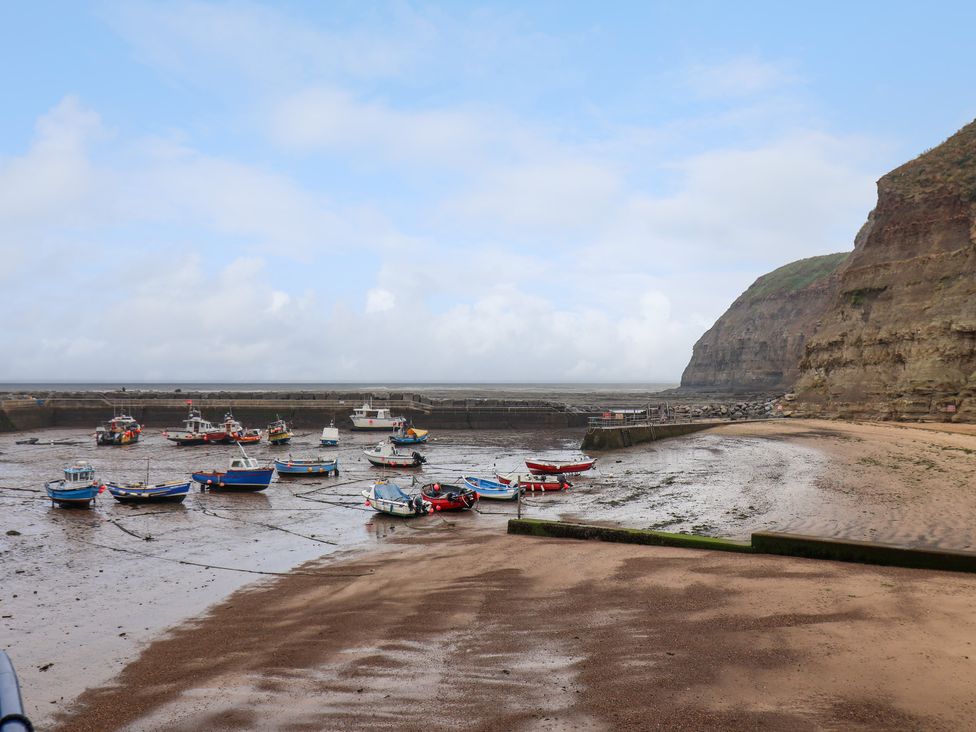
{"x":493,"y":489}
{"x":307,"y":467}
{"x":330,"y":435}
{"x":77,"y":489}
{"x":449,"y":497}
{"x":385,"y":455}
{"x":547,"y":467}
{"x":409,"y":436}
{"x":534,"y":482}
{"x":244,"y":474}
{"x":389,"y":498}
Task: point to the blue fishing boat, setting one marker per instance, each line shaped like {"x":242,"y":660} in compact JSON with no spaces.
{"x":172,"y":492}
{"x":409,"y":436}
{"x":77,"y":489}
{"x":330,"y":435}
{"x":307,"y":467}
{"x":492,"y":489}
{"x":244,"y":474}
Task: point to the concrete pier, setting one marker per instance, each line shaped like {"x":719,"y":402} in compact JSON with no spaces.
{"x":612,"y":438}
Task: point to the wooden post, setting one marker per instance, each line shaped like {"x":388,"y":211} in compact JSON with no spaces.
{"x":518,"y":498}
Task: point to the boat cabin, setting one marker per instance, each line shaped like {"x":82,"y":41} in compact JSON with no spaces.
{"x":81,"y":472}
{"x":368,"y":412}
{"x":243,"y":463}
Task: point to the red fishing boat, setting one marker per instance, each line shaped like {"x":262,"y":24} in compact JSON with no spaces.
{"x":547,"y":467}
{"x":448,"y":497}
{"x":534,"y":482}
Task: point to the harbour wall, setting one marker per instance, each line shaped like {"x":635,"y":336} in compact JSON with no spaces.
{"x":763,"y":542}
{"x":613,"y":438}
{"x":303,"y":410}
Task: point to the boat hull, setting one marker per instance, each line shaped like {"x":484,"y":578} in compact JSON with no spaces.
{"x":305,"y":468}
{"x":449,"y":497}
{"x":492,"y":490}
{"x":329,"y":443}
{"x":396,"y":440}
{"x":71,"y":497}
{"x":365,"y":424}
{"x":116,"y":438}
{"x":235,"y":480}
{"x":534,"y":483}
{"x":139,"y":493}
{"x":279,"y":440}
{"x":394,"y":461}
{"x":538,"y":467}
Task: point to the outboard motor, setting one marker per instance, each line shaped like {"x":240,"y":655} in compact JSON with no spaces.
{"x":418,"y":505}
{"x":12,"y":717}
{"x":418,"y":459}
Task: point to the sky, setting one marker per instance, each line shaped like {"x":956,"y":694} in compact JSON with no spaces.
{"x":455,"y":191}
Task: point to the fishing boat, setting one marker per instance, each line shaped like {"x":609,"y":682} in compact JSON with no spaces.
{"x":120,"y":430}
{"x":387,"y":497}
{"x":195,"y":431}
{"x":78,"y":487}
{"x":307,"y":467}
{"x":385,"y":455}
{"x":547,"y":467}
{"x":493,"y":489}
{"x":330,"y":435}
{"x":368,"y":418}
{"x":531,"y":482}
{"x":236,"y":432}
{"x":409,"y":436}
{"x":278,"y":432}
{"x":173,"y":491}
{"x":244,"y":474}
{"x":449,"y":497}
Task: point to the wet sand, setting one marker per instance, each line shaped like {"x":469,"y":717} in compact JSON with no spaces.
{"x":860,"y":481}
{"x":495,"y":632}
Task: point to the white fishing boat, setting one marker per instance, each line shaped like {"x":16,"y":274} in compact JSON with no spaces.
{"x":330,"y":435}
{"x":385,"y":455}
{"x":389,"y":498}
{"x":367,"y":417}
{"x":196,"y":431}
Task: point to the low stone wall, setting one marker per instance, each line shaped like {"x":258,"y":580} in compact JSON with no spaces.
{"x":763,"y":542}
{"x":613,"y":438}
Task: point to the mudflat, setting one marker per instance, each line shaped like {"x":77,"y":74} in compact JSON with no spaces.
{"x":460,"y":626}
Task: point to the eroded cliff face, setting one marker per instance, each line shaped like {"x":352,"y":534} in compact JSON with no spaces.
{"x":759,"y":341}
{"x":898,"y":338}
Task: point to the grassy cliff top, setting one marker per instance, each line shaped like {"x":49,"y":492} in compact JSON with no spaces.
{"x":795,"y":275}
{"x":951,"y":165}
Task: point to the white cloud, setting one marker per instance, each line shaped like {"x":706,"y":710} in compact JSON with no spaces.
{"x":741,"y":76}
{"x":379,"y":301}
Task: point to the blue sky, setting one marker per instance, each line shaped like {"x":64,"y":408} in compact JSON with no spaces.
{"x":438,"y":191}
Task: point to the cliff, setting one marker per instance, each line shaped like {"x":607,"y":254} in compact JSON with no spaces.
{"x":759,"y":341}
{"x":898,"y":339}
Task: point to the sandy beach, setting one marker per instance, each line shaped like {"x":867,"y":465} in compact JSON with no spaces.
{"x":447,"y":622}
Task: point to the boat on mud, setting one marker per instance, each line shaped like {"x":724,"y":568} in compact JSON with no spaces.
{"x":173,"y":491}
{"x":549,"y":467}
{"x":443,"y":497}
{"x":493,"y":489}
{"x":120,"y":430}
{"x":279,"y":433}
{"x":385,"y":455}
{"x":196,"y":431}
{"x":389,"y":498}
{"x":531,"y":482}
{"x":244,"y":474}
{"x":236,"y":432}
{"x":330,"y":435}
{"x":409,"y":436}
{"x":77,"y":489}
{"x":307,"y":467}
{"x":380,"y":418}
